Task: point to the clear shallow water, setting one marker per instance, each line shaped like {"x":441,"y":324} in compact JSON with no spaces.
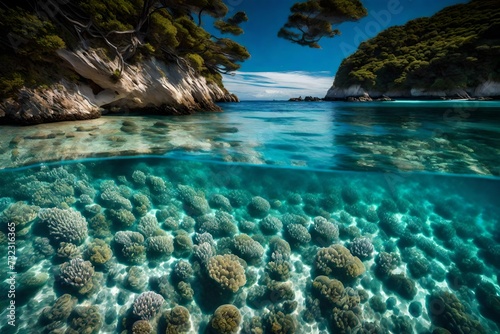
{"x":435,"y":247}
{"x":296,"y":192}
{"x":448,"y":137}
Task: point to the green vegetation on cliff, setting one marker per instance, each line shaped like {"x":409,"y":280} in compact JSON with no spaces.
{"x":458,"y":47}
{"x":130,"y":30}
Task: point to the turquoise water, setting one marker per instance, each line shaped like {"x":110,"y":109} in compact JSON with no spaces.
{"x":445,"y":137}
{"x":306,"y":217}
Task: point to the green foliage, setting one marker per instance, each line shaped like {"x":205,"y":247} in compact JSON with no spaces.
{"x":456,"y":48}
{"x":11,"y":83}
{"x":111,"y":15}
{"x":231,"y":25}
{"x":28,"y":35}
{"x":162,"y":32}
{"x":165,"y":29}
{"x":196,"y":61}
{"x":116,"y":75}
{"x":313,"y":19}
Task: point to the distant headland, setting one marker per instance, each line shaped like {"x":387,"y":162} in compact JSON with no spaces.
{"x":453,"y":54}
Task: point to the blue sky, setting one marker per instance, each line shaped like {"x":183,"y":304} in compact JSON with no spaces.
{"x":279,"y":69}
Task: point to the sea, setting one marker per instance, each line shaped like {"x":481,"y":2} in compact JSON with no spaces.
{"x":269,"y":217}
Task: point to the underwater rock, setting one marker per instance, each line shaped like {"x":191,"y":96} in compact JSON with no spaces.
{"x":225,"y":320}
{"x":147,"y":305}
{"x":329,"y":290}
{"x":68,"y":251}
{"x":291,"y":218}
{"x":297,"y":234}
{"x":270,"y":225}
{"x":182,"y":270}
{"x":142,"y":327}
{"x":160,"y":246}
{"x":59,"y":311}
{"x":156,"y":184}
{"x":85,"y":319}
{"x":227,"y":271}
{"x":138,"y":176}
{"x":238,"y":197}
{"x":142,"y":204}
{"x":258,"y":207}
{"x":280,"y":323}
{"x":415,"y":309}
{"x":385,"y":263}
{"x":323,"y":232}
{"x":177,"y":320}
{"x":247,"y":248}
{"x":204,"y":252}
{"x":194,"y":204}
{"x":445,"y":310}
{"x":122,"y":218}
{"x":136,"y":279}
{"x":361,"y":247}
{"x":218,"y":201}
{"x":402,"y":285}
{"x":185,"y":291}
{"x":378,"y":304}
{"x":19,"y":213}
{"x":345,"y":321}
{"x":221,"y":224}
{"x":98,"y":252}
{"x":279,"y":269}
{"x":183,"y":245}
{"x":148,"y":226}
{"x":130,"y":245}
{"x":489,"y":300}
{"x":64,"y":225}
{"x":77,"y":273}
{"x":337,"y":260}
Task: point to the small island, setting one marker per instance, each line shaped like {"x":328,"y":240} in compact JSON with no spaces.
{"x":305,"y":99}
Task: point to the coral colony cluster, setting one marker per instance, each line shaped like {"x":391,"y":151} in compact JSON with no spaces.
{"x":165,"y":246}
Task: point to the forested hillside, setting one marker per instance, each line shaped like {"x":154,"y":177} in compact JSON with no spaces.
{"x":131,"y":30}
{"x":457,"y":48}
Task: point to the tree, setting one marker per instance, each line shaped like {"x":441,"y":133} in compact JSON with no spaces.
{"x":314,"y":19}
{"x":231,"y":25}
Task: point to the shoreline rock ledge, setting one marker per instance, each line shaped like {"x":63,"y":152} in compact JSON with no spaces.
{"x":356,"y":93}
{"x":150,"y":86}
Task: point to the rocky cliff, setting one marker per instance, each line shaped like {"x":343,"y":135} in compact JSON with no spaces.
{"x":487,"y":89}
{"x":151,"y":85}
{"x":453,"y":54}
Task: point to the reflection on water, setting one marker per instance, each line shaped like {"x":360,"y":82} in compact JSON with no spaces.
{"x":310,"y":251}
{"x":449,"y":137}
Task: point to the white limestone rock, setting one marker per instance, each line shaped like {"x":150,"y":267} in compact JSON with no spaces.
{"x":172,"y":88}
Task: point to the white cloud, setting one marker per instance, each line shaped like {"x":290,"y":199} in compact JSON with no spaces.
{"x":278,"y":85}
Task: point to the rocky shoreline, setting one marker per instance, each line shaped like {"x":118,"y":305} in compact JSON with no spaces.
{"x":486,"y":91}
{"x":151,"y":86}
